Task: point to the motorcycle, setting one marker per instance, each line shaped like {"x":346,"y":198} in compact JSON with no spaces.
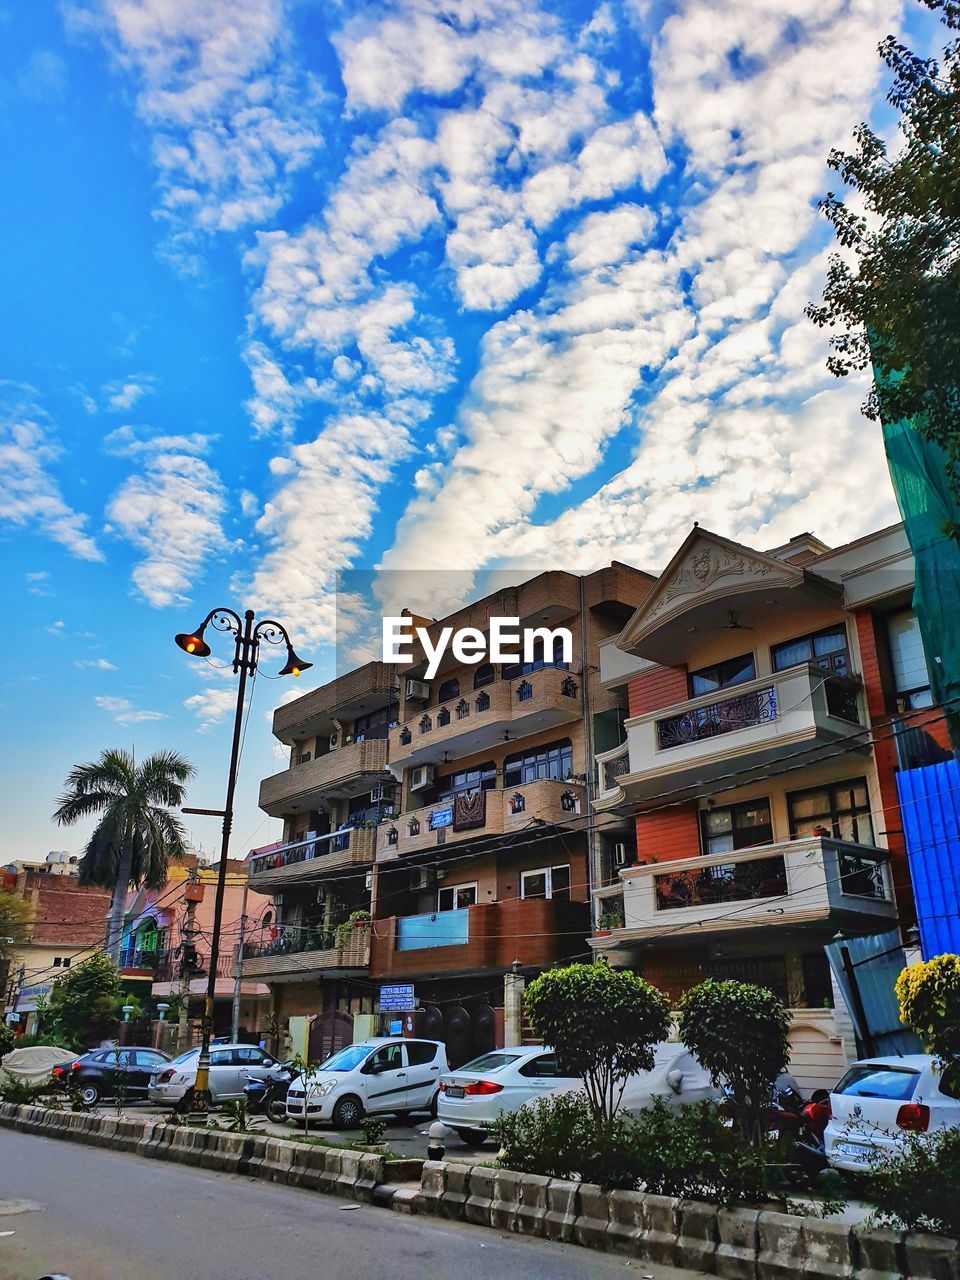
{"x":268,"y":1097}
{"x":799,"y":1125}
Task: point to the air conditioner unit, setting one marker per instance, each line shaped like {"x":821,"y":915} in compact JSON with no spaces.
{"x":334,"y":741}
{"x":425,"y":878}
{"x":383,"y":793}
{"x":418,"y":691}
{"x":619,"y":855}
{"x":304,"y":757}
{"x":421,"y":777}
{"x":368,"y":881}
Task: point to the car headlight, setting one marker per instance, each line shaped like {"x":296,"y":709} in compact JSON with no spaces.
{"x":320,"y":1090}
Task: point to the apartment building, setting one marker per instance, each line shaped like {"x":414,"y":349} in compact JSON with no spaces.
{"x":769,"y":694}
{"x":332,"y":797}
{"x":482,"y":878}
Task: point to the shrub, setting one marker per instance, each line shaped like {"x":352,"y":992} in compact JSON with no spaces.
{"x":739,"y":1033}
{"x":373,"y":1128}
{"x":603,"y":1024}
{"x":918,"y":1187}
{"x":20,"y":1092}
{"x":551,"y":1136}
{"x":929,"y":996}
{"x":689,"y":1152}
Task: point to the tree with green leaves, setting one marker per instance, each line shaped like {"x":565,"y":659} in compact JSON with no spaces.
{"x":892,"y":298}
{"x":84,"y":1002}
{"x":738,"y":1031}
{"x":136,"y":834}
{"x":929,"y":996}
{"x":15,"y":924}
{"x":602,"y":1023}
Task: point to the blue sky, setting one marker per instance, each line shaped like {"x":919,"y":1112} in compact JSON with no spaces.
{"x":295,"y":287}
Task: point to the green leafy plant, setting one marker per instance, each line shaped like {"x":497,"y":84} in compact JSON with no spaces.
{"x":603,"y":1024}
{"x":550,"y":1136}
{"x":344,"y":932}
{"x":918,"y":1186}
{"x":236,"y":1118}
{"x":83,"y":1003}
{"x":929,"y":996}
{"x":20,"y":1092}
{"x":373,"y":1128}
{"x":612,"y":918}
{"x":7,"y":1038}
{"x":739,"y":1033}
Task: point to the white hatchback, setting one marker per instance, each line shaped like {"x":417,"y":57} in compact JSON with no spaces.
{"x":878,"y":1101}
{"x":373,"y":1076}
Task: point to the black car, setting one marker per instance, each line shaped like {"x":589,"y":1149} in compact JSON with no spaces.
{"x":108,"y":1073}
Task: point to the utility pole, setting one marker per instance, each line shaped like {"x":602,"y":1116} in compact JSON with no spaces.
{"x":193,"y":893}
{"x":238,"y":972}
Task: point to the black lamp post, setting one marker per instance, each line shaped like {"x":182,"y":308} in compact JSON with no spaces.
{"x":246,"y":653}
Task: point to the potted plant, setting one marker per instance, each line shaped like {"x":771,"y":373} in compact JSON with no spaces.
{"x":610,"y":919}
{"x":356,"y":920}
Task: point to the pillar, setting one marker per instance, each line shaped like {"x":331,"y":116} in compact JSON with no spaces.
{"x":513,"y":985}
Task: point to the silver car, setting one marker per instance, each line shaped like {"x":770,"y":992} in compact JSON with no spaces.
{"x":231,"y":1067}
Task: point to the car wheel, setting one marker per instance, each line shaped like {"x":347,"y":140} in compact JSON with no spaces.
{"x":277,"y":1112}
{"x":89,"y":1095}
{"x":434,"y":1104}
{"x":471,"y":1137}
{"x":348,"y":1113}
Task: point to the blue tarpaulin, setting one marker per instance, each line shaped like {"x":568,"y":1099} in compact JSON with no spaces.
{"x":877,"y":962}
{"x":930,"y":804}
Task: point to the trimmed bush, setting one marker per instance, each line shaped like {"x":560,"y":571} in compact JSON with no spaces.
{"x":918,"y":1187}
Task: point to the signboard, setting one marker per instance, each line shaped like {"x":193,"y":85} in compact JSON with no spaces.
{"x":442,"y":817}
{"x":397,"y":998}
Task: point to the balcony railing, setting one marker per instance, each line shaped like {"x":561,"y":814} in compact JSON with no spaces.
{"x":314,"y":858}
{"x":725,"y":716}
{"x":614,"y":765}
{"x":305,"y":951}
{"x":722,"y":882}
{"x":140,"y":958}
{"x":303,"y":781}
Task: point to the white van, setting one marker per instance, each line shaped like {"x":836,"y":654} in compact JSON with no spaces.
{"x":384,"y":1075}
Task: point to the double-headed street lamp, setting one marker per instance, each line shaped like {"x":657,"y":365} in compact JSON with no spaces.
{"x":246,"y":654}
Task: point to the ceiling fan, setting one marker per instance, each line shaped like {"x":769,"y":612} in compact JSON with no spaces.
{"x":734,"y":623}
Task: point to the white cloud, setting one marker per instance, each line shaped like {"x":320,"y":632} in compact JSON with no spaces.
{"x":124,"y":712}
{"x":30,"y":496}
{"x":56,"y":628}
{"x":171,"y":512}
{"x":43,"y":77}
{"x":211,"y":706}
{"x":95,"y":664}
{"x":124,"y":393}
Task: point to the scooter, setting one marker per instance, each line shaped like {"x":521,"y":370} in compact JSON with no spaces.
{"x":268,"y":1097}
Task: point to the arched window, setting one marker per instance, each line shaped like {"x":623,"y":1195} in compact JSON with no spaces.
{"x":484,"y":674}
{"x":449,"y":689}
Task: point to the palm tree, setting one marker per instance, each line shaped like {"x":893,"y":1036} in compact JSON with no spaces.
{"x":137,"y":834}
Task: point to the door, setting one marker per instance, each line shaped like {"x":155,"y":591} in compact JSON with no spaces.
{"x":146,"y":1061}
{"x":328,"y":1033}
{"x":117,"y":1071}
{"x":225,"y":1078}
{"x":423,"y":1073}
{"x":254,"y":1064}
{"x":384,"y":1079}
{"x":542,"y":1075}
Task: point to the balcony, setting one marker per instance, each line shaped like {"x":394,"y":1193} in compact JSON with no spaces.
{"x":312,"y":859}
{"x":336,"y":774}
{"x":275,"y":961}
{"x":810,"y":881}
{"x":350,"y":695}
{"x":137,"y":960}
{"x":491,"y":813}
{"x":478,"y":719}
{"x":535,"y":931}
{"x":803,"y":710}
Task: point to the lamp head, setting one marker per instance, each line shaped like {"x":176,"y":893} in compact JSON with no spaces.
{"x":294,"y":665}
{"x":192,"y":642}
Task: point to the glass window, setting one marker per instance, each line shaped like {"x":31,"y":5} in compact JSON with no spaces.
{"x":490,"y":1062}
{"x":910,"y":676}
{"x":841,"y":810}
{"x":552,"y":761}
{"x":826,"y":649}
{"x":737,"y":826}
{"x":512,"y":670}
{"x":420,"y":1052}
{"x":560,"y":881}
{"x":250,"y":1054}
{"x":375,"y":724}
{"x":543,"y":1067}
{"x":722,"y":675}
{"x":389,"y":1058}
{"x":221,"y":1058}
{"x":481,"y":778}
{"x":449,"y":689}
{"x":190,"y":1056}
{"x":345,"y":1059}
{"x":150,"y":1058}
{"x":454,"y":897}
{"x":866,"y":1081}
{"x":484,"y":674}
{"x":546,"y":882}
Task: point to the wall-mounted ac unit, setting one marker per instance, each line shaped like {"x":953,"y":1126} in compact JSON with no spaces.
{"x":418,"y":691}
{"x":619,"y":855}
{"x":425,"y":878}
{"x":421,"y":777}
{"x":334,"y":741}
{"x":368,"y":881}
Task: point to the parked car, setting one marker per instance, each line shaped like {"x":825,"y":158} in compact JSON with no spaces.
{"x":878,"y":1101}
{"x":105,"y":1073}
{"x":373,"y":1076}
{"x":35,"y":1064}
{"x":473,"y":1096}
{"x":231,"y":1067}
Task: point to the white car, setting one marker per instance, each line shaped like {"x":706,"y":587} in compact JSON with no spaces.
{"x":231,"y":1067}
{"x":382,"y":1075}
{"x":475,"y":1095}
{"x":878,"y":1101}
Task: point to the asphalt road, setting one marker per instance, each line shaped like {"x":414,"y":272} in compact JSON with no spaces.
{"x":102,"y":1215}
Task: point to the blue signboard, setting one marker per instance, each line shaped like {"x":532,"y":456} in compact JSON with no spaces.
{"x":397,"y":998}
{"x":442,"y":817}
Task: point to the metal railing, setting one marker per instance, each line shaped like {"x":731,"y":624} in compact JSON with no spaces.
{"x":726,"y":882}
{"x":726,"y":715}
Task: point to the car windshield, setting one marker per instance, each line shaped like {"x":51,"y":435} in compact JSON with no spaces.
{"x":867,"y":1080}
{"x":346,"y":1059}
{"x":490,"y":1062}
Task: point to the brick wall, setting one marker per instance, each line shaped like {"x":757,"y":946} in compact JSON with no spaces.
{"x":66,"y":912}
{"x":660,"y":687}
{"x":669,"y":833}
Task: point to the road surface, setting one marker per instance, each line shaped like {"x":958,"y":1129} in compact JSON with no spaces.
{"x":92,"y":1214}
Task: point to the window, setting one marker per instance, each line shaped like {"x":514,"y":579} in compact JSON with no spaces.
{"x":420,"y":1052}
{"x":454,"y":897}
{"x":389,"y":1058}
{"x":376,"y":724}
{"x":825,"y":649}
{"x":481,"y":778}
{"x":552,"y":761}
{"x":736,"y":826}
{"x":250,"y":1055}
{"x":221,"y":1058}
{"x":57,"y":962}
{"x":449,"y":689}
{"x":546,"y":882}
{"x":484,"y":674}
{"x":66,"y":961}
{"x":865,"y":1081}
{"x":722,"y":674}
{"x":910,"y":676}
{"x":489,"y":1062}
{"x":841,"y":810}
{"x":150,"y":1058}
{"x":514,"y":669}
{"x":544,"y":1067}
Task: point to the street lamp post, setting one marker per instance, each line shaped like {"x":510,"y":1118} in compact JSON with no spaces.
{"x":248,"y":638}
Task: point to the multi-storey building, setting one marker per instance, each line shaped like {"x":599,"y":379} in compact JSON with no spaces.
{"x":332,"y":797}
{"x":768,"y":695}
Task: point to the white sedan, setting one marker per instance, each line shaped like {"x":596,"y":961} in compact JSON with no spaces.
{"x":878,"y":1101}
{"x":231,"y":1067}
{"x":475,"y":1095}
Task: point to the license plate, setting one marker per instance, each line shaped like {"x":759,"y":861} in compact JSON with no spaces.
{"x":854,"y":1150}
{"x":454,"y":1091}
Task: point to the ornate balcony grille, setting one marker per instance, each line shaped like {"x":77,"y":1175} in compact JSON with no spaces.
{"x":462,"y":709}
{"x":483,"y":701}
{"x":758,"y":706}
{"x":614,"y":769}
{"x":524,"y":691}
{"x":443,"y":717}
{"x":729,"y":882}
